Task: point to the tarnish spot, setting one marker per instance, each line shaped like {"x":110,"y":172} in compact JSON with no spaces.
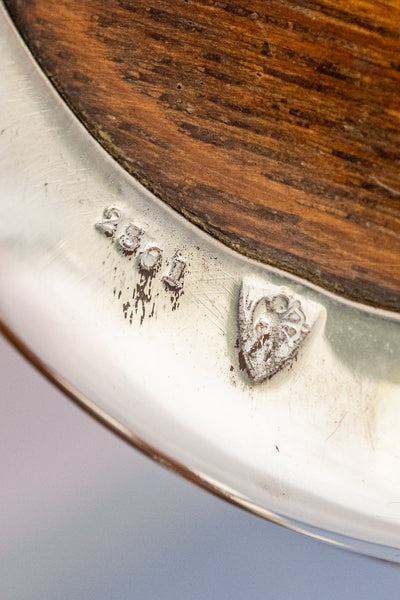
{"x":175,"y":299}
{"x":142,"y":296}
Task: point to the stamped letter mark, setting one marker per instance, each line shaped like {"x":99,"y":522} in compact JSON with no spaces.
{"x":273,"y":326}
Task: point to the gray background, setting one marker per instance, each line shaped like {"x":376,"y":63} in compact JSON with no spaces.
{"x":84,"y":516}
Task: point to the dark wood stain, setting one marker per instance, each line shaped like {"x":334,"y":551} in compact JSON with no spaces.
{"x":273,"y":125}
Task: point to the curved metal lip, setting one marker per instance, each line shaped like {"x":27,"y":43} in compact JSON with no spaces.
{"x":380,"y":552}
{"x":361,"y":314}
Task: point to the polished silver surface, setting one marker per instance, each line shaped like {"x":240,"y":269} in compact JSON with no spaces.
{"x":156,"y":353}
{"x":83,"y":517}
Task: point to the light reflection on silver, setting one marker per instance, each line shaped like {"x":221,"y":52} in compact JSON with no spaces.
{"x":318,"y":445}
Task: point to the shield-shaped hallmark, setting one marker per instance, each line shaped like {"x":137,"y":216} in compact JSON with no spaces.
{"x":273,"y":326}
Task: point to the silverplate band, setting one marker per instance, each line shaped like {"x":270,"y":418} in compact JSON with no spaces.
{"x":266,"y":390}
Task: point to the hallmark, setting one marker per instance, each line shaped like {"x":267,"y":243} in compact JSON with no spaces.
{"x":175,"y":278}
{"x":150,"y":259}
{"x":272,"y":328}
{"x":129,"y":242}
{"x":109,"y":223}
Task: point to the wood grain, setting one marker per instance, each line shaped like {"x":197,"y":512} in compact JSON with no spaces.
{"x":273,"y":125}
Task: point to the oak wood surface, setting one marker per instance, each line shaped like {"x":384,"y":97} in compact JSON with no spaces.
{"x":273,"y":125}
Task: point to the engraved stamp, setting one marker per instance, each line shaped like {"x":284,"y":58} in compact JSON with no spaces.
{"x":127,"y":239}
{"x":150,"y":259}
{"x":109,"y":223}
{"x":175,"y":278}
{"x":129,"y":242}
{"x":272,"y":328}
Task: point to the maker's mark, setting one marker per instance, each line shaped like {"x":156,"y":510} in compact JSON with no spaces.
{"x":273,"y":325}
